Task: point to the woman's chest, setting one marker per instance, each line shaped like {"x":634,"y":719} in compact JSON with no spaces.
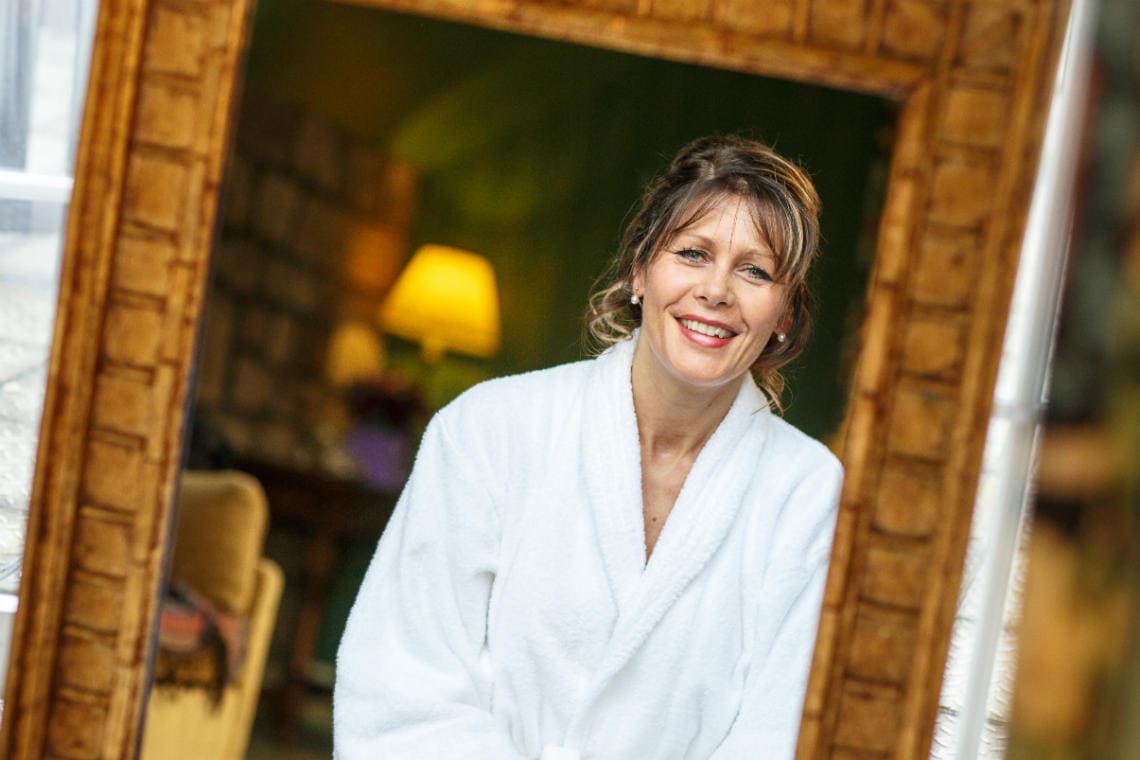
{"x":574,"y":590}
{"x":661,"y":483}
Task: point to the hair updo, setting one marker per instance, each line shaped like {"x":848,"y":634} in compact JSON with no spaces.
{"x":785,"y":209}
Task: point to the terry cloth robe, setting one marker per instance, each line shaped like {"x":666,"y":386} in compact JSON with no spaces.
{"x":509,"y":611}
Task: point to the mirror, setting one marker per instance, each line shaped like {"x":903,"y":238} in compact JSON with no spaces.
{"x":526,"y":150}
{"x":970,"y":80}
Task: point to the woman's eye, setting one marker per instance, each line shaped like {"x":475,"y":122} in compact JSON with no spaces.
{"x":691,"y":254}
{"x":757,"y":273}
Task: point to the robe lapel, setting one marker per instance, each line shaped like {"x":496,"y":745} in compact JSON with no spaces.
{"x":700,"y":519}
{"x":612,"y":471}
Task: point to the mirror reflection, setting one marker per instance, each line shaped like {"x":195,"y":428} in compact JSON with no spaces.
{"x":389,"y":136}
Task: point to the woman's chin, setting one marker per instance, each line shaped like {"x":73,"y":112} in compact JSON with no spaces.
{"x":707,"y":378}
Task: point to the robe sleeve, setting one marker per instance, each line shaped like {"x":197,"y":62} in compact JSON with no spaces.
{"x":413,"y":679}
{"x":769,"y":718}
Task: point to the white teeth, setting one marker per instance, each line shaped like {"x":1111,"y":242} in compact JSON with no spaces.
{"x":703,"y":329}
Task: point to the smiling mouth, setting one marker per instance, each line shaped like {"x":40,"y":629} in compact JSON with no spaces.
{"x":706,"y":329}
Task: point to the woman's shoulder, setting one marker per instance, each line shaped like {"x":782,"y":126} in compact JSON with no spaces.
{"x":799,"y":450}
{"x":506,"y":425}
{"x":806,"y":479}
{"x":518,"y":400}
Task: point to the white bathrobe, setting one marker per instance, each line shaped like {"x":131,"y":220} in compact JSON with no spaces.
{"x":509,"y":611}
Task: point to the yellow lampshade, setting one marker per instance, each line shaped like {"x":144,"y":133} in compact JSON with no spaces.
{"x":446,"y":300}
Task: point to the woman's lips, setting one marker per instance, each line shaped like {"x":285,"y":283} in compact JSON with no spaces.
{"x":696,"y":330}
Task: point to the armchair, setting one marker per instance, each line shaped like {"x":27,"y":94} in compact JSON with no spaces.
{"x":222,"y":519}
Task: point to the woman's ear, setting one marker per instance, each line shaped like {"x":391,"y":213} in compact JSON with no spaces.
{"x":637,"y":282}
{"x":786,"y":322}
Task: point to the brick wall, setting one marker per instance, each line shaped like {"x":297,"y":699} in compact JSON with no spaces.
{"x":315,"y":227}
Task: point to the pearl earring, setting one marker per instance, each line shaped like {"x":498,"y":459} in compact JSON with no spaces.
{"x":781,"y":337}
{"x":635,"y":299}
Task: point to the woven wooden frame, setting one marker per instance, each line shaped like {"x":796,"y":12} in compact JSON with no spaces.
{"x":974,"y":79}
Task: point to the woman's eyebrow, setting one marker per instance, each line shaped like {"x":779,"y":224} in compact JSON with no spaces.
{"x":697,"y":237}
{"x":765,"y":250}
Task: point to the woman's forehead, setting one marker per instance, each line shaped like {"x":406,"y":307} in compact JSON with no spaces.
{"x":713,"y":206}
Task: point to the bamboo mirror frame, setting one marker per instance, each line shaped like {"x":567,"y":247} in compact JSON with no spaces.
{"x":973,"y":78}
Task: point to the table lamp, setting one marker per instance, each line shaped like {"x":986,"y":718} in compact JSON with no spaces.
{"x":445,"y":300}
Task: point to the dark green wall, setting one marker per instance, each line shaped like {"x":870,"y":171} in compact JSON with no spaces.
{"x":533,"y":153}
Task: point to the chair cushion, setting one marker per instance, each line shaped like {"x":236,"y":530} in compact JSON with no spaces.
{"x":222,"y":518}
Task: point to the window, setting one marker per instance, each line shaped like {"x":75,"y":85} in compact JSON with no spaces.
{"x":44,"y":51}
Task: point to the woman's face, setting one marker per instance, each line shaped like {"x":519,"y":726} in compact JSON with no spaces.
{"x":709,"y":302}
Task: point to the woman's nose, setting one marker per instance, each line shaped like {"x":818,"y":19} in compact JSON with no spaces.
{"x":715,"y":286}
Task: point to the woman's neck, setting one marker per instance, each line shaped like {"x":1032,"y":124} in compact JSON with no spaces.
{"x":676,"y":419}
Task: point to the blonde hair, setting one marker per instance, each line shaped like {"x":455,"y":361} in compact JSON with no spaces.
{"x":785,"y":208}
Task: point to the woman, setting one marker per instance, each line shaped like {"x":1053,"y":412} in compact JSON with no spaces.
{"x":620,"y":558}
